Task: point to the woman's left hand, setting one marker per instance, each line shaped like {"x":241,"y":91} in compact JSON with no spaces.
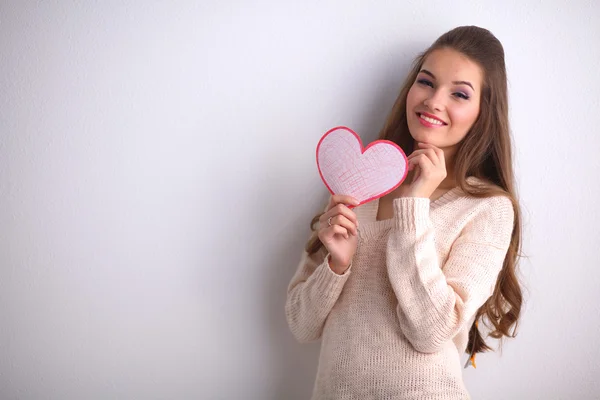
{"x":429,"y":167}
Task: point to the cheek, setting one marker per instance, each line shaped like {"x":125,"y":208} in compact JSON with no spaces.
{"x":464,"y":116}
{"x":412,"y":98}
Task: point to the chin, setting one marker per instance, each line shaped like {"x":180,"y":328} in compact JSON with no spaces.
{"x":425,"y":137}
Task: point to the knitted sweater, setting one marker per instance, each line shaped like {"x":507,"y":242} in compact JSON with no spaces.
{"x":394,"y":325}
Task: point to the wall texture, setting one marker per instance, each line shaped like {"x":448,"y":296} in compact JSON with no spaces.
{"x":157,"y":177}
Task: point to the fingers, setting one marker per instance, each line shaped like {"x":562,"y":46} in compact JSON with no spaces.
{"x":339,"y":209}
{"x":426,"y":168}
{"x":334,"y":230}
{"x":429,"y":169}
{"x":423,"y":161}
{"x":345,"y":223}
{"x":339,"y":220}
{"x":439,"y":152}
{"x":417,"y":172}
{"x":429,"y":152}
{"x":342,"y":199}
{"x":345,"y":219}
{"x":426,"y":156}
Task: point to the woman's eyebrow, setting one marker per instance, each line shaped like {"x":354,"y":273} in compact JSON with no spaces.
{"x":464,"y":83}
{"x":455,"y":82}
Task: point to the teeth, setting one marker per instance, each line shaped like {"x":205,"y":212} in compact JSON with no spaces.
{"x":430,"y":120}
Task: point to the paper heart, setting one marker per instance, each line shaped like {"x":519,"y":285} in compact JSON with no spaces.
{"x":363,"y":173}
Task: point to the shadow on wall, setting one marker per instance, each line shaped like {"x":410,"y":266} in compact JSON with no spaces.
{"x":294,"y":365}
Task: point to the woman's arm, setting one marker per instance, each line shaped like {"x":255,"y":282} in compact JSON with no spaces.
{"x":313,"y":291}
{"x":435,"y":301}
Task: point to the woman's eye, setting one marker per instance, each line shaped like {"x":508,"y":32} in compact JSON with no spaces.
{"x":461,"y":95}
{"x":425,"y":82}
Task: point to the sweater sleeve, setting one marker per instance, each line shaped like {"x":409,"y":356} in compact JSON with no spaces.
{"x":434,"y":300}
{"x":311,"y":295}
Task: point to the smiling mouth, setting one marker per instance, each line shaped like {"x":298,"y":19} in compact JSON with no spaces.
{"x":430,"y":120}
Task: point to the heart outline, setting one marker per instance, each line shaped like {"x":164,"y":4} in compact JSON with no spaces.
{"x":363,"y":150}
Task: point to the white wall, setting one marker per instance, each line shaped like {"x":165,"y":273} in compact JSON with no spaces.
{"x":157,"y":178}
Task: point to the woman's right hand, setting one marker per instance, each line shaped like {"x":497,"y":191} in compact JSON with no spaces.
{"x":338,"y":231}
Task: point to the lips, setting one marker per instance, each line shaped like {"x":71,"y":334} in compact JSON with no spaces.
{"x":429,"y":119}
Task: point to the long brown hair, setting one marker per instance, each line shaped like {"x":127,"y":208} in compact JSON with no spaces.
{"x":484,"y":153}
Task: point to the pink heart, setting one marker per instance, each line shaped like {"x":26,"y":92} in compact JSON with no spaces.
{"x":363,"y":173}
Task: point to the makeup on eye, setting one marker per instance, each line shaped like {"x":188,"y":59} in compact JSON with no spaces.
{"x":426,"y":72}
{"x":463,"y":95}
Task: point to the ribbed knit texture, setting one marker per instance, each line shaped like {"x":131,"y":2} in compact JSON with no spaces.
{"x":395,"y":325}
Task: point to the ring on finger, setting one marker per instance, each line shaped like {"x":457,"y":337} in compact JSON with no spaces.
{"x":329,"y":221}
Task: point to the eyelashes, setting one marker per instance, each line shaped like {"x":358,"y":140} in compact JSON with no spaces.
{"x":427,"y":82}
{"x":461,"y":95}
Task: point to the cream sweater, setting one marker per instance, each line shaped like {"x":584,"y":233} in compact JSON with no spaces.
{"x":395,"y":324}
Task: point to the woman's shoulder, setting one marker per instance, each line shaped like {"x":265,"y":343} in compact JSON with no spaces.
{"x":495,"y":206}
{"x":492,"y":193}
{"x":491,"y":200}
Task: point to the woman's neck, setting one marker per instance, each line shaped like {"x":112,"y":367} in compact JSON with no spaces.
{"x":449,"y":182}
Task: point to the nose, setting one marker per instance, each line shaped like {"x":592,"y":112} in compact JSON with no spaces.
{"x":435,"y":101}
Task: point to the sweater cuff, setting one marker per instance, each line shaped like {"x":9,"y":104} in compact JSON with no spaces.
{"x":329,"y":284}
{"x":411,"y":213}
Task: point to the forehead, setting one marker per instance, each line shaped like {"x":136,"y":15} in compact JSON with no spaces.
{"x":451,"y":65}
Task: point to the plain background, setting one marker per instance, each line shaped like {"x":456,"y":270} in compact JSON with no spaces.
{"x":158,"y":176}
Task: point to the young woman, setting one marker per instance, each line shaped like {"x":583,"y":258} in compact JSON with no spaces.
{"x":395,"y":287}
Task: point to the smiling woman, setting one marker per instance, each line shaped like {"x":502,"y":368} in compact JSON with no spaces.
{"x":396,"y":287}
{"x":443,"y":103}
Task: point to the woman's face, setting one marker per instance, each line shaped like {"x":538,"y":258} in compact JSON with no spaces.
{"x":443,"y":103}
